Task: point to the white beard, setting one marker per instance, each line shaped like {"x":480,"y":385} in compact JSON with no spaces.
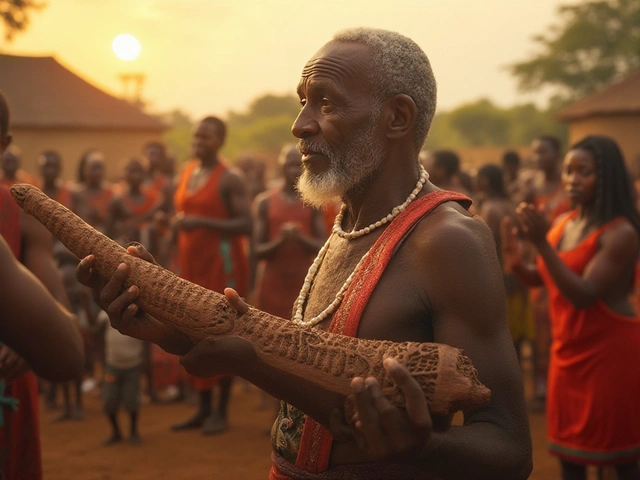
{"x":348,"y":169}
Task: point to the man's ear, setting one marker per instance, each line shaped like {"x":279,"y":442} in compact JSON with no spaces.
{"x":5,"y":142}
{"x":401,"y":113}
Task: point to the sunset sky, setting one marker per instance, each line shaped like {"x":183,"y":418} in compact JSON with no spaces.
{"x":210,"y":56}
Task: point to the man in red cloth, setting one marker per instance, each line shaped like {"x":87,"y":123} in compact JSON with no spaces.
{"x":130,"y":213}
{"x":413,"y":264}
{"x":50,"y":164}
{"x":10,"y":171}
{"x":213,"y":216}
{"x":287,"y":236}
{"x":31,"y":319}
{"x":92,"y":199}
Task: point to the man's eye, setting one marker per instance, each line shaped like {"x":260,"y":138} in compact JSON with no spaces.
{"x":325,"y":102}
{"x":303,"y":102}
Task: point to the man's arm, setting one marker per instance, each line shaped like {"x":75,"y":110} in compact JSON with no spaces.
{"x":512,"y":255}
{"x":37,"y":256}
{"x":617,"y":254}
{"x":235,"y":195}
{"x":468,"y":311}
{"x":263,"y":248}
{"x":34,"y":325}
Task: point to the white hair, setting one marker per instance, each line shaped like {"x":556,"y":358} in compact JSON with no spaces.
{"x":399,"y":67}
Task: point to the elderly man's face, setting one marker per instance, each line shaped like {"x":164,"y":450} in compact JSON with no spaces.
{"x":338,"y":125}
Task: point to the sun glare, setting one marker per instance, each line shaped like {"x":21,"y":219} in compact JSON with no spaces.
{"x":126,"y":47}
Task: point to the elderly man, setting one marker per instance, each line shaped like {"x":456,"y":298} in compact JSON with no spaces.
{"x":367,"y":100}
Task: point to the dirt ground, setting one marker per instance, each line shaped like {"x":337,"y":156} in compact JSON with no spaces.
{"x":73,"y":450}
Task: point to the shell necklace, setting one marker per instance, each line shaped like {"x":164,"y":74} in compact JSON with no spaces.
{"x":337,"y":229}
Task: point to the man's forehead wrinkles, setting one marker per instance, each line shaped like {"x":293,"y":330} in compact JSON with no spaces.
{"x":331,"y":67}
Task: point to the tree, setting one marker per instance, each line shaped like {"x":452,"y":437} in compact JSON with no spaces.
{"x":595,"y":42}
{"x":482,"y":123}
{"x":15,"y":15}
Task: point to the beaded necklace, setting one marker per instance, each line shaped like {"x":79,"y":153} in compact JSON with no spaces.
{"x":337,"y":229}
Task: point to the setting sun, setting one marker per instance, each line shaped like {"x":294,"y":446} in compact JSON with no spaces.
{"x":126,"y":47}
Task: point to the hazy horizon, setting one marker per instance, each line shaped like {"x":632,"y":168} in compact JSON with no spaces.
{"x":205,"y":56}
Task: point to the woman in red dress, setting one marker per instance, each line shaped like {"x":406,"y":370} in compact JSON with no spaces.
{"x":586,"y":261}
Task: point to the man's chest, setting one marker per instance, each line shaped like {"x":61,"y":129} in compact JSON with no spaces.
{"x":395,"y":306}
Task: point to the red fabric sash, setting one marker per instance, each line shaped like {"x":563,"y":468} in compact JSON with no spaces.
{"x":315,"y":444}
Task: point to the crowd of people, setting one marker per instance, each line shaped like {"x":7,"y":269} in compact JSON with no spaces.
{"x":552,"y":262}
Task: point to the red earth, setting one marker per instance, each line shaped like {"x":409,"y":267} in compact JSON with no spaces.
{"x":73,"y":450}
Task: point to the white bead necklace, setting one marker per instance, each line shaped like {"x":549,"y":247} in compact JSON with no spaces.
{"x":337,"y":229}
{"x":337,"y":225}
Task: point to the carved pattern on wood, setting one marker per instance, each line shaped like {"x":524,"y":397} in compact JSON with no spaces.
{"x":446,"y":376}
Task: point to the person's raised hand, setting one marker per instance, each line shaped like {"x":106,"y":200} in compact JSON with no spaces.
{"x":383,"y":431}
{"x":533,"y":223}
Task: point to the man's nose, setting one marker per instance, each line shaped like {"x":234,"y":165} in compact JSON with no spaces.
{"x":305,"y":125}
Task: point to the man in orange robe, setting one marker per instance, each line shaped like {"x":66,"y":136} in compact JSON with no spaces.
{"x":213,"y":215}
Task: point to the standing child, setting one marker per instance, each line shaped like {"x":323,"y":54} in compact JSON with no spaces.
{"x":124,"y":362}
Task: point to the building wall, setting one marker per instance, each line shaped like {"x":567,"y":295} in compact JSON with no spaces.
{"x":117,"y":145}
{"x":625,"y":129}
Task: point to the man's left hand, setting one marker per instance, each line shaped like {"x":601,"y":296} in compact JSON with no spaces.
{"x":385,"y":432}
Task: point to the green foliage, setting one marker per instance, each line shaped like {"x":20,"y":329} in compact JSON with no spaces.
{"x":595,"y":42}
{"x":482,"y":123}
{"x":264,"y":128}
{"x":14,"y":14}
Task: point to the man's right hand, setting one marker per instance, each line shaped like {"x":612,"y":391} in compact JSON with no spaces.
{"x":124,"y":314}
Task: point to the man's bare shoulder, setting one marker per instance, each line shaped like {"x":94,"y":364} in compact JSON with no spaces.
{"x":232,"y":178}
{"x":448,"y":227}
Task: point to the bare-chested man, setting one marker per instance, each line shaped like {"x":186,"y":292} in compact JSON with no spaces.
{"x":367,"y":101}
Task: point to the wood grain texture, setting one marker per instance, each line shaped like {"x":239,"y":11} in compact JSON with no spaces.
{"x":446,"y":376}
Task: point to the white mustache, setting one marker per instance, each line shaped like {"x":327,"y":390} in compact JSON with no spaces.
{"x":307,"y":146}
